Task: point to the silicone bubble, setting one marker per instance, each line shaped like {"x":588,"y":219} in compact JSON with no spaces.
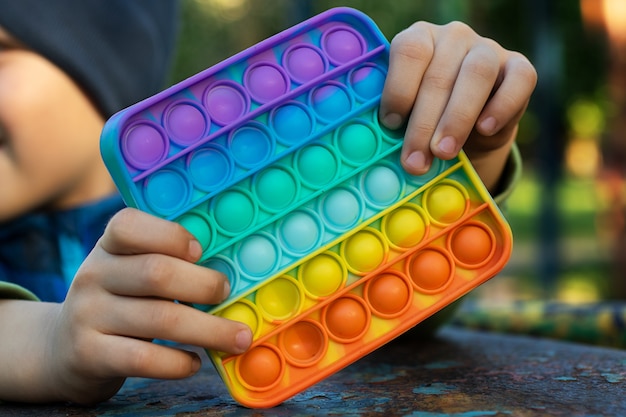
{"x":258,"y":255}
{"x":472,"y":244}
{"x":234,"y":211}
{"x":185,"y":122}
{"x":322,"y":275}
{"x":357,"y":143}
{"x":346,"y":318}
{"x":431,"y":270}
{"x":445,"y":202}
{"x":266,"y":81}
{"x":291,"y":122}
{"x":199,"y":225}
{"x":405,"y":226}
{"x":226,"y":102}
{"x":304,"y":62}
{"x":280,"y":298}
{"x":300,"y":232}
{"x":144,"y":145}
{"x":330,"y":101}
{"x":342,"y":44}
{"x":276,"y":188}
{"x":209,"y":167}
{"x":316,"y":165}
{"x":261,"y":368}
{"x":389,"y":294}
{"x":367,"y":81}
{"x":303,"y":343}
{"x":364,"y":251}
{"x":226,"y":267}
{"x":251,"y":144}
{"x":342,"y":208}
{"x":244,"y":312}
{"x":167,"y":191}
{"x":382,"y":185}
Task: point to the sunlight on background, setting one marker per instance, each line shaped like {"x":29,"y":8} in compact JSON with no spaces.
{"x":227,"y":9}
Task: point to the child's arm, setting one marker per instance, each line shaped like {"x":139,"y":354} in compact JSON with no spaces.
{"x":455,"y":89}
{"x":121,"y":299}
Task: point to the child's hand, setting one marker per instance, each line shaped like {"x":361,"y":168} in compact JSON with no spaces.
{"x":122,"y":297}
{"x":454,"y":89}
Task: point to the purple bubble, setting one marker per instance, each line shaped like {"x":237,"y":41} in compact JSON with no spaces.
{"x":185,"y":122}
{"x":342,"y":45}
{"x":225,"y":103}
{"x":144,"y":145}
{"x":304,"y":63}
{"x":266,"y":82}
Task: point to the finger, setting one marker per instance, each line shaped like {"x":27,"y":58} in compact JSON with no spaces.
{"x":148,"y":318}
{"x":126,"y":357}
{"x":472,"y":88}
{"x":163,"y":276}
{"x":432,"y":99}
{"x":132,"y":232}
{"x":410,"y":54}
{"x":511,"y":97}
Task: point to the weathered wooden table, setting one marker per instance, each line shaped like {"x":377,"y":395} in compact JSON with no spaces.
{"x":462,"y":373}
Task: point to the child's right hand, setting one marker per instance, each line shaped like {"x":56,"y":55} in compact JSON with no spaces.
{"x":122,"y":298}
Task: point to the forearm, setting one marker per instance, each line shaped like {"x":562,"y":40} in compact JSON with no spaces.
{"x":24,"y":329}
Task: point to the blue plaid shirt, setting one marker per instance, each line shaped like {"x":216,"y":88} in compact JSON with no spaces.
{"x":42,"y":251}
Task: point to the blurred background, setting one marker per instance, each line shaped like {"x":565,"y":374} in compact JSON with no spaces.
{"x":567,"y":214}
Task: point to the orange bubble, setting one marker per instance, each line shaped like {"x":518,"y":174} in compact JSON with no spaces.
{"x":346,"y":319}
{"x":260,"y":368}
{"x":430,"y":270}
{"x":303,"y":343}
{"x":388,"y":295}
{"x":472,"y":244}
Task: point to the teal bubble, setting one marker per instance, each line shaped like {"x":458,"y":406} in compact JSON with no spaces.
{"x":382,"y":185}
{"x":330,"y":101}
{"x":292,"y":123}
{"x":341,"y":209}
{"x":167,"y":191}
{"x":258,"y":255}
{"x":276,"y":188}
{"x":300,"y":232}
{"x":316,"y":165}
{"x":198,"y":225}
{"x":234,"y":211}
{"x":250,"y":145}
{"x":357,"y":143}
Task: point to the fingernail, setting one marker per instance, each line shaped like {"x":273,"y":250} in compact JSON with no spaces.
{"x":196,"y":363}
{"x":392,"y":121}
{"x":416,"y":161}
{"x":447,"y":145}
{"x":226,"y":290}
{"x":195,"y":249}
{"x":243,"y":339}
{"x":488,"y":125}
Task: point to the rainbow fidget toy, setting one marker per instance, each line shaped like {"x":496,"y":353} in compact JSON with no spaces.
{"x":275,"y":160}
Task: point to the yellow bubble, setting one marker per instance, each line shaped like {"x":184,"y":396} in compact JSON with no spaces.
{"x":445,"y":202}
{"x":245,"y":312}
{"x":364,"y":251}
{"x":405,"y":227}
{"x":279,"y":299}
{"x":322,"y":275}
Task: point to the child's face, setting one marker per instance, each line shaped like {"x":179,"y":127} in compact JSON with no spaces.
{"x":49,"y":136}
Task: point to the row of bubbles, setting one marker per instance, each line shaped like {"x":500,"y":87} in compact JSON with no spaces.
{"x":189,"y":118}
{"x":224,"y":160}
{"x":348,"y":317}
{"x":302,"y":231}
{"x":428,"y":268}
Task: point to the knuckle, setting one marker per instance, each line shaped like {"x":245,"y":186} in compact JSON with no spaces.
{"x":157,"y":271}
{"x":438,"y":80}
{"x":458,"y":28}
{"x":162,"y":316}
{"x":413,"y":45}
{"x":120,"y":227}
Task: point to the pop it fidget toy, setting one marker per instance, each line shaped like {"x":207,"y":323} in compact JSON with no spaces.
{"x":275,"y":160}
